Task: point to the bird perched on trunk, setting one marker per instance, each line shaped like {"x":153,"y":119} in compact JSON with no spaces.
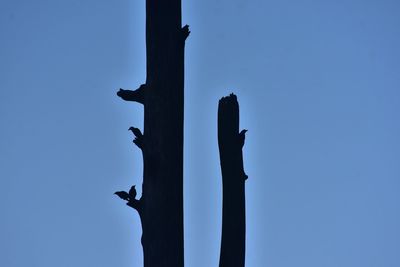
{"x":135,"y":131}
{"x":185,"y":31}
{"x":138,"y":136}
{"x":122,"y":194}
{"x":242,"y":136}
{"x":127,"y":196}
{"x":132,"y":193}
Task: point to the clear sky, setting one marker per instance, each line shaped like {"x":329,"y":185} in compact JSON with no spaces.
{"x":319,"y":89}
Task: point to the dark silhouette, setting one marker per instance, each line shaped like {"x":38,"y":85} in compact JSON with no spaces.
{"x":122,"y":194}
{"x":242,"y":136}
{"x":136,"y":132}
{"x":131,"y":198}
{"x":230,"y":143}
{"x":132,"y":193}
{"x":138,"y":136}
{"x":161,"y":205}
{"x":127,"y":196}
{"x":137,"y":95}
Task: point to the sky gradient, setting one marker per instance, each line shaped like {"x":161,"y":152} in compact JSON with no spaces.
{"x":319,"y":90}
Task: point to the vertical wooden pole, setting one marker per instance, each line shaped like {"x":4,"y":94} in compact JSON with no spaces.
{"x":230,"y":143}
{"x":161,"y":205}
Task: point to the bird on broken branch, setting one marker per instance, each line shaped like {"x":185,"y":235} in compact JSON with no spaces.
{"x":127,"y":196}
{"x":123,"y":195}
{"x":135,"y":131}
{"x":138,"y":136}
{"x":242,"y":136}
{"x":185,"y":31}
{"x":132,"y":193}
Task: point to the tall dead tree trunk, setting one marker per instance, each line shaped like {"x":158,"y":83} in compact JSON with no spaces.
{"x":161,"y":204}
{"x":230,"y":143}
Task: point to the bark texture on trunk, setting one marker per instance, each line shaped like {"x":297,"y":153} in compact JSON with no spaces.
{"x":161,"y":204}
{"x":230,"y":143}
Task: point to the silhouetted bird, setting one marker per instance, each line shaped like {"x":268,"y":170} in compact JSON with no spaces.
{"x":132,"y":193}
{"x":138,"y":136}
{"x":185,"y":31}
{"x":122,"y":194}
{"x":185,"y":28}
{"x":135,"y":131}
{"x":242,"y":137}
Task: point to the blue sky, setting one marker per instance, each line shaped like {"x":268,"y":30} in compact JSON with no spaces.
{"x":319,"y":90}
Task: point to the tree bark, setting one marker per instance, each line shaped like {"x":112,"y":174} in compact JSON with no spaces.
{"x":161,"y":204}
{"x":230,"y":143}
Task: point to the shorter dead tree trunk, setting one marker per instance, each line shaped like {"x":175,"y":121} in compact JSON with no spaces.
{"x":230,"y":143}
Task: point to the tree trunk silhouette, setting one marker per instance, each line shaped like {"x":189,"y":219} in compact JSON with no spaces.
{"x":230,"y":143}
{"x":161,"y":204}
